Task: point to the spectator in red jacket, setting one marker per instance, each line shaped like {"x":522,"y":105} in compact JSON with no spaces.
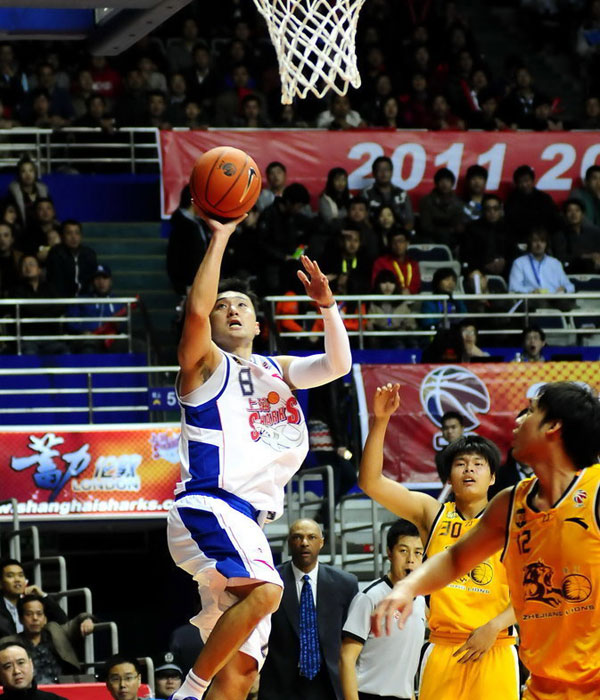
{"x":405,"y":269}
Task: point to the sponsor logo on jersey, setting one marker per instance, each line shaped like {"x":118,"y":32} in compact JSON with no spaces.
{"x":273,"y":420}
{"x":539,"y":586}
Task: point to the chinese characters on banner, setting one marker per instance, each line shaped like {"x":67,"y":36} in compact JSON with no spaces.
{"x":109,"y":471}
{"x":488,"y":396}
{"x":559,"y":159}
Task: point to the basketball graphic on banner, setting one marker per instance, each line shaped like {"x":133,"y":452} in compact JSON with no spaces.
{"x":454,"y":388}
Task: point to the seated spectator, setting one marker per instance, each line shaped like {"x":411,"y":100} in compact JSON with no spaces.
{"x":405,"y":270}
{"x":107,"y":80}
{"x":539,"y":273}
{"x":487,"y":117}
{"x":485,"y":245}
{"x":442,"y":216}
{"x":444,"y":282}
{"x":33,"y":286}
{"x":17,"y":675}
{"x":156,"y":115}
{"x":81,"y":90}
{"x":177,"y":99}
{"x":154,"y":80}
{"x":350,"y":260}
{"x":42,"y":222}
{"x":389,"y":116}
{"x":131,"y":105}
{"x":284,"y":233}
{"x":386,"y":284}
{"x":339,"y":116}
{"x":526,"y":206}
{"x":383,"y":193}
{"x":589,"y":194}
{"x":252,"y":114}
{"x":59,"y":100}
{"x":385,"y":226}
{"x":168,"y":677}
{"x":96,"y":115}
{"x":9,"y":259}
{"x":101,"y":289}
{"x":179,"y":49}
{"x":373,"y":108}
{"x":13,"y":586}
{"x":369,"y":666}
{"x":471,"y":350}
{"x":533,"y":342}
{"x":194,"y":116}
{"x":50,"y":645}
{"x":276,"y":173}
{"x":229,"y":102}
{"x":335,"y":198}
{"x":71,"y":265}
{"x":202,"y":79}
{"x":517,"y":108}
{"x":12,"y":79}
{"x":51,"y":239}
{"x":577,"y":246}
{"x":544,"y":118}
{"x":41,"y":114}
{"x":414,"y":105}
{"x":10,"y":214}
{"x":591,"y":115}
{"x":26,"y":190}
{"x":123,"y":677}
{"x":475,"y":182}
{"x":441,"y":117}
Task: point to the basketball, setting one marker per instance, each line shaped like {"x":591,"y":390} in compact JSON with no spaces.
{"x":576,"y":588}
{"x":225,"y":182}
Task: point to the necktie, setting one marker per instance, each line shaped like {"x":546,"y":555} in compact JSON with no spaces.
{"x":310,"y":656}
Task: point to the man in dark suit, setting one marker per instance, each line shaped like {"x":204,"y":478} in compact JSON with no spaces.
{"x":304,"y":645}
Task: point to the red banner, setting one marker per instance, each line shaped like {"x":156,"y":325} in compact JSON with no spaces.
{"x":559,"y":159}
{"x":488,"y":396}
{"x":88,"y":472}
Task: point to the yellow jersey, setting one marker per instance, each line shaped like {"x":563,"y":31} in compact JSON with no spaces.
{"x":553,"y":563}
{"x":473,"y":599}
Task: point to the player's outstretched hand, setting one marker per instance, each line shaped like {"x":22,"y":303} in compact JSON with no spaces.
{"x":386,"y":400}
{"x":315,"y":282}
{"x":219,"y":228}
{"x":393,"y":609}
{"x":480,"y":640}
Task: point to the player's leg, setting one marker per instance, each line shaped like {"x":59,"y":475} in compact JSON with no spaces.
{"x":235,"y":679}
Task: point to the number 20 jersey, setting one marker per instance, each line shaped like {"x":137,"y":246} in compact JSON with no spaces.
{"x":242,"y":432}
{"x":473,"y":599}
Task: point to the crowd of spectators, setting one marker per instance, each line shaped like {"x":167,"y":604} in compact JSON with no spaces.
{"x":215,"y":66}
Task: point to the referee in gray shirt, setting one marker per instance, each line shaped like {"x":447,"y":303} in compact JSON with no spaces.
{"x":384,"y":668}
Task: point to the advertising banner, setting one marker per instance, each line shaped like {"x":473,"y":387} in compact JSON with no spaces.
{"x":559,"y":159}
{"x":488,"y":397}
{"x":116,"y":471}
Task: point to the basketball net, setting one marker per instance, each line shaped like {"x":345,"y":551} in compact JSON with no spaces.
{"x":315,"y":44}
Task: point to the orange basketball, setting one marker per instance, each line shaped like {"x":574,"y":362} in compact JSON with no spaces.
{"x":225,"y":182}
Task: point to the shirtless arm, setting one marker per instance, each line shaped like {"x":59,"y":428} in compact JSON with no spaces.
{"x":198,"y":356}
{"x":483,"y":540}
{"x":420,"y":508}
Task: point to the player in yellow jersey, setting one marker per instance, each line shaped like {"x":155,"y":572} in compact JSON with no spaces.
{"x":548,"y":527}
{"x":471,"y":653}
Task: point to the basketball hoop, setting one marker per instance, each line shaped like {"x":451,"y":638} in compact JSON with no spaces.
{"x":315,"y":44}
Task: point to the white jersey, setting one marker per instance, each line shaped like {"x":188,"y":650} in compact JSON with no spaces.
{"x":243,"y":434}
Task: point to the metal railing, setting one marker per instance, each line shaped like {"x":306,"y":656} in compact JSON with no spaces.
{"x":74,"y":148}
{"x":524,"y":313}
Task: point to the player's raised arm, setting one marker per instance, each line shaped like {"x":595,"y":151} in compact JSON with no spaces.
{"x":419,"y":508}
{"x":195,"y":347}
{"x":315,"y":370}
{"x":486,"y":538}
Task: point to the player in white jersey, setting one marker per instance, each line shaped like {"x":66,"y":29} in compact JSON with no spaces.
{"x":243,"y":436}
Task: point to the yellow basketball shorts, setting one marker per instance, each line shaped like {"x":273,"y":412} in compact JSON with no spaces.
{"x":494,"y":677}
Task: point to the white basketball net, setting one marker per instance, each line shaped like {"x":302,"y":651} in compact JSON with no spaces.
{"x":315,"y":44}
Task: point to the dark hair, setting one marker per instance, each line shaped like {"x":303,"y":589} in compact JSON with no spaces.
{"x":523,"y":170}
{"x":26,"y":158}
{"x":15,"y":643}
{"x":440,"y":274}
{"x":385,"y":276}
{"x":95,"y":96}
{"x":591,"y":170}
{"x":538,"y":230}
{"x":39,"y":200}
{"x":250,"y":97}
{"x":185,"y":197}
{"x":40,"y":92}
{"x":295,"y":194}
{"x":340,"y":198}
{"x":395,"y":232}
{"x":156,"y":93}
{"x":275,"y":164}
{"x":488,"y":197}
{"x":30,"y":598}
{"x":476,"y":171}
{"x":117,"y":659}
{"x":11,"y":562}
{"x":453,"y":415}
{"x":574,"y":200}
{"x":358,"y":200}
{"x":578,"y":410}
{"x":70,"y":222}
{"x":379,"y":160}
{"x":444,"y":174}
{"x":532,"y":328}
{"x":401,"y":528}
{"x":236,"y":284}
{"x":468,"y":444}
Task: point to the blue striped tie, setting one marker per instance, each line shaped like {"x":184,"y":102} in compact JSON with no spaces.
{"x":310,"y":655}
